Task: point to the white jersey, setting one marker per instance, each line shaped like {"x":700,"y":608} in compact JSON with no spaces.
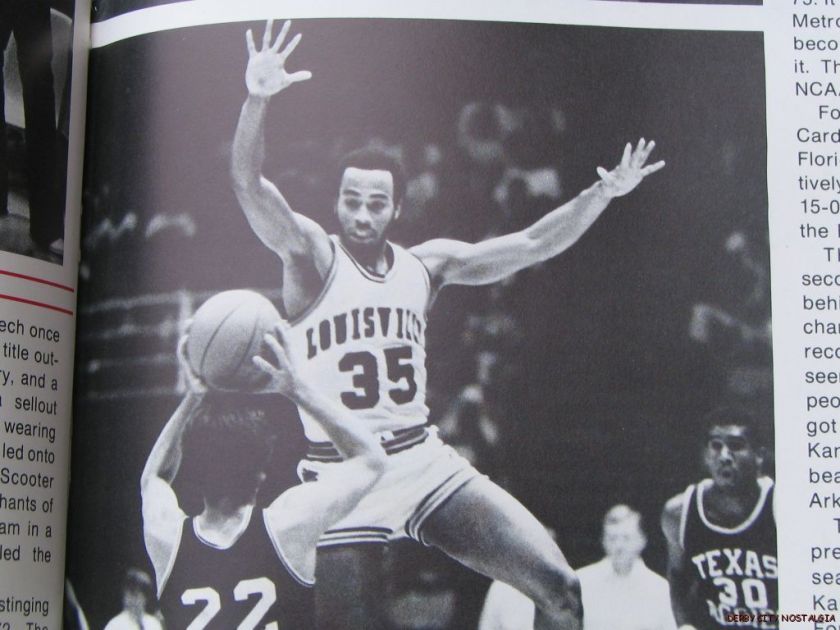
{"x":362,"y":342}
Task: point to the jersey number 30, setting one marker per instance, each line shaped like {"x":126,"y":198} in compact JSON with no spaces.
{"x":262,"y":587}
{"x":365,"y":369}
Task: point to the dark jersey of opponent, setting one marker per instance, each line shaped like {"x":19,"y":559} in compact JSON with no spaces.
{"x":734,"y":568}
{"x":246,"y":585}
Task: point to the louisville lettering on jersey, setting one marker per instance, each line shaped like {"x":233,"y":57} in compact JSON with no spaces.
{"x":365,"y":323}
{"x":363,"y":342}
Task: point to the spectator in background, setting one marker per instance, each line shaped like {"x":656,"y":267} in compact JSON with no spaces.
{"x":620,"y":592}
{"x":137,"y":596}
{"x":734,"y":327}
{"x":745,"y":320}
{"x":469,"y":428}
{"x":505,"y":608}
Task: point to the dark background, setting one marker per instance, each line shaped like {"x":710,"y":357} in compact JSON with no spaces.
{"x":597,"y":384}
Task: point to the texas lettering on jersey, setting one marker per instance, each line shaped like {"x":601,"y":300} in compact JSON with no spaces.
{"x":735,"y":569}
{"x":742,"y":578}
{"x":734,"y":563}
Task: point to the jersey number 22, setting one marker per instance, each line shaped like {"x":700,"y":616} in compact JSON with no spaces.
{"x":262,"y":587}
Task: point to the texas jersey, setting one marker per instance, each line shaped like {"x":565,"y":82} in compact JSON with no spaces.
{"x":734,"y":569}
{"x":362,"y":342}
{"x":244,"y":586}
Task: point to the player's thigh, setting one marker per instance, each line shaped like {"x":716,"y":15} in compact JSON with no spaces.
{"x":485,"y":528}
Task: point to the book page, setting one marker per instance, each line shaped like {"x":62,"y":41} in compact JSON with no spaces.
{"x":44,"y":47}
{"x":557,"y":284}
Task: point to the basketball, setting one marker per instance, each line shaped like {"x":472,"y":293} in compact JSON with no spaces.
{"x":226,"y":332}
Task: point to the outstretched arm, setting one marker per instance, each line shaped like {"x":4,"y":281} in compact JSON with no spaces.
{"x":679,"y":582}
{"x":300,"y":515}
{"x":162,"y":516}
{"x":269,"y":214}
{"x":456,"y":262}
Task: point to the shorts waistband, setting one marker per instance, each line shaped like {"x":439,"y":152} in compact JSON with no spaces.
{"x":392,"y":441}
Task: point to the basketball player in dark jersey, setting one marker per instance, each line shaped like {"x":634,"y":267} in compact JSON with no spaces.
{"x":358,"y":305}
{"x":721,"y":533}
{"x":233,"y":565}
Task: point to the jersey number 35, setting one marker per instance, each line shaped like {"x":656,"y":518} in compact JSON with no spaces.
{"x":365,"y":368}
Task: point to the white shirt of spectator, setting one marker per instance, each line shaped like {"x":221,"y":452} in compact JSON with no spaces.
{"x":638,"y":600}
{"x":505,"y":608}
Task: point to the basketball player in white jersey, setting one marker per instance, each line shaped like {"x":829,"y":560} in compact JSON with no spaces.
{"x":232,"y":565}
{"x":357,"y":304}
{"x":721,"y":533}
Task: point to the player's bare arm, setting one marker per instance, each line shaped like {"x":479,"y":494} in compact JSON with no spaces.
{"x":287,"y":233}
{"x":677,"y":577}
{"x":456,"y":262}
{"x":300,"y":515}
{"x":162,"y":516}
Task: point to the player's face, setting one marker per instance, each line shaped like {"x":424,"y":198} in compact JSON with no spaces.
{"x":365,"y":206}
{"x":623,"y":542}
{"x":730,"y":458}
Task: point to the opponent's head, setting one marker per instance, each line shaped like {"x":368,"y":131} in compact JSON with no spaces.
{"x":369,"y":196}
{"x":228,"y":445}
{"x":623,"y":539}
{"x":732,"y":451}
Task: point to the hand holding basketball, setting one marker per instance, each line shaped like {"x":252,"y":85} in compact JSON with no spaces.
{"x":226,"y":331}
{"x":283,"y":375}
{"x":266,"y":73}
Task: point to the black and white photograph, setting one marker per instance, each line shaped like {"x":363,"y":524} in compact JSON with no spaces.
{"x":36,"y":41}
{"x":407,"y":324}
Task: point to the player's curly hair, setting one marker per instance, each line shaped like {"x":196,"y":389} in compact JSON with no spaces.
{"x":735,"y":415}
{"x":228,"y":444}
{"x":377,"y":159}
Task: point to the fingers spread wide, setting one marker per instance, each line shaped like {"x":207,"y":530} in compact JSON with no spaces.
{"x":302,"y":75}
{"x":266,"y":40}
{"x":628,"y":152}
{"x":289,"y":49}
{"x":282,"y":36}
{"x":652,"y":168}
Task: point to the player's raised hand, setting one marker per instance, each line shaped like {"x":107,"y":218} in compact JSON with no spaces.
{"x":630,"y":171}
{"x":266,"y":74}
{"x":194,"y":384}
{"x":284,"y":377}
